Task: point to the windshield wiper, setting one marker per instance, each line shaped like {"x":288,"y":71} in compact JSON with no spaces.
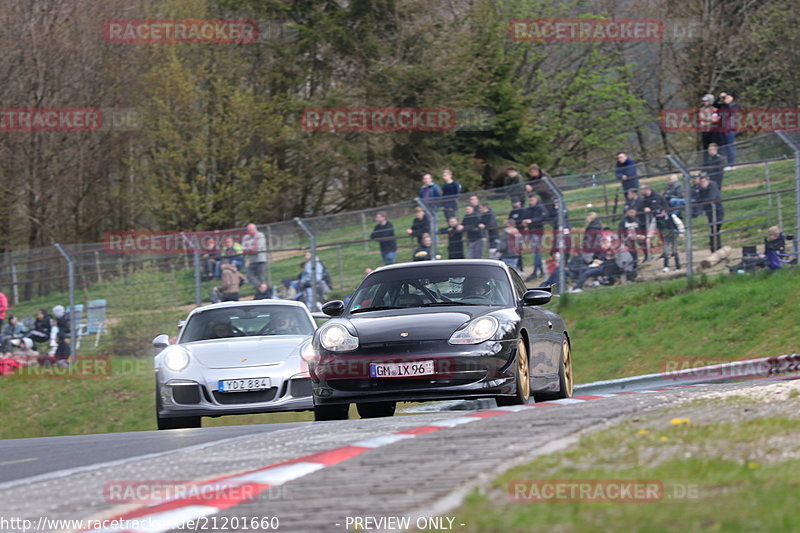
{"x":450,"y":302}
{"x":376,"y":308}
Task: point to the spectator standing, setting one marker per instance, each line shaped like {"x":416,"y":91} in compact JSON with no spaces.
{"x":626,"y":173}
{"x":472,"y":226}
{"x":715,"y":213}
{"x":455,"y":241}
{"x":430,"y":192}
{"x":451,"y":190}
{"x":232,"y":251}
{"x":210,"y":258}
{"x":729,"y":130}
{"x":656,"y":208}
{"x":636,"y":202}
{"x":537,"y":185}
{"x":513,"y":182}
{"x":533,"y":221}
{"x":710,"y":125}
{"x":517,"y":213}
{"x":420,"y":225}
{"x":489,"y":222}
{"x":60,"y":334}
{"x":510,"y":245}
{"x":424,"y":252}
{"x":323,"y":281}
{"x":255,"y":245}
{"x":3,"y":307}
{"x":714,"y":165}
{"x":384,"y":233}
{"x":231,"y":281}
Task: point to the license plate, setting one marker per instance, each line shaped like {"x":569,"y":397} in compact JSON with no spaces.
{"x":401,"y":370}
{"x":243,"y":385}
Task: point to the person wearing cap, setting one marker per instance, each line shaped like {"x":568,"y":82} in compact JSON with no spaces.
{"x":710,"y":122}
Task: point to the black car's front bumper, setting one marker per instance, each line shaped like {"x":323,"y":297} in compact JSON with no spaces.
{"x":460,"y":371}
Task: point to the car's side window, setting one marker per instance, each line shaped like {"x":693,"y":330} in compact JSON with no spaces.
{"x":519,"y":285}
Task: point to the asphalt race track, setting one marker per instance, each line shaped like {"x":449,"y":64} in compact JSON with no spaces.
{"x":370,"y":470}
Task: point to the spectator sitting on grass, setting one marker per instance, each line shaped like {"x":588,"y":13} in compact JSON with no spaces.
{"x":41,"y":327}
{"x":12,"y":331}
{"x":774,"y":247}
{"x":264,"y":292}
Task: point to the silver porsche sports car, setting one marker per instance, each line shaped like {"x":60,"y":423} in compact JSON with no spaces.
{"x":234,"y":358}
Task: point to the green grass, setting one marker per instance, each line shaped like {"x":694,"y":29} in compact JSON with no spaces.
{"x":619,"y":331}
{"x":717,"y":488}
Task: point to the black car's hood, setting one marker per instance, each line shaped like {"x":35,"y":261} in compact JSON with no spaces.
{"x":421,"y":324}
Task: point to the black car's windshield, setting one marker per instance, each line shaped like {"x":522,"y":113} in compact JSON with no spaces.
{"x":247,"y":321}
{"x":433,"y":286}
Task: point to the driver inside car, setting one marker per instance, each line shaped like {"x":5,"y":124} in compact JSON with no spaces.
{"x":281,"y":323}
{"x":221,"y":330}
{"x":476,"y":288}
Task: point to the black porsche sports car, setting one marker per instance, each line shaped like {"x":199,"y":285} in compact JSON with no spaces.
{"x":438,"y":330}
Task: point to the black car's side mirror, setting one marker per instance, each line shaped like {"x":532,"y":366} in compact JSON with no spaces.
{"x":536,"y":297}
{"x":334,"y":308}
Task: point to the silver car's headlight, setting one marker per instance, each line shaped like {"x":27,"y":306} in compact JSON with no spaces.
{"x":176,"y":358}
{"x":477,"y":331}
{"x":336,"y":338}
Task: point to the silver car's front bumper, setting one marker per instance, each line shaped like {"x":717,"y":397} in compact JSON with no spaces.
{"x":188,"y":397}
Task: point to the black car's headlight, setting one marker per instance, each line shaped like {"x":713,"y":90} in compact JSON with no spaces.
{"x":176,"y":358}
{"x":479,"y":330}
{"x":336,"y":338}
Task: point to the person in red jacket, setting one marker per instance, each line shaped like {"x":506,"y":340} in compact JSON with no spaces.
{"x":3,"y":307}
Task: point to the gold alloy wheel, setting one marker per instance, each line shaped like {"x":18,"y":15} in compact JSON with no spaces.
{"x":522,"y":368}
{"x":566,"y":355}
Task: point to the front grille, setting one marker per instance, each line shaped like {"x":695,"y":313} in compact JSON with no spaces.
{"x":186,"y":394}
{"x":399,"y":384}
{"x":234,"y":398}
{"x":301,"y":387}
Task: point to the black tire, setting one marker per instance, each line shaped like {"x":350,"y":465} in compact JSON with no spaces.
{"x":566,"y":380}
{"x":376,"y":409}
{"x":179,"y":422}
{"x":522,"y":378}
{"x":331,"y":412}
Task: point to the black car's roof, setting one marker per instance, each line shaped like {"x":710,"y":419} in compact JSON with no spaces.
{"x":443,"y":263}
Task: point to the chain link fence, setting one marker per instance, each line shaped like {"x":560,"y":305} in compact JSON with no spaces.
{"x":161,"y":272}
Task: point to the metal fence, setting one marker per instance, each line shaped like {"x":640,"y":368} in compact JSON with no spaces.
{"x":761,"y":192}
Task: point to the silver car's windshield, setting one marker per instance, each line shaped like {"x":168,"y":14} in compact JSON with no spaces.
{"x":429,"y":287}
{"x":247,"y":321}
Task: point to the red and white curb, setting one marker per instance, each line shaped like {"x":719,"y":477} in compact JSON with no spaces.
{"x":170,"y":514}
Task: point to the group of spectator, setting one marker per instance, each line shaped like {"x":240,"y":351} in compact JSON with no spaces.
{"x":227,"y":262}
{"x":43,"y":340}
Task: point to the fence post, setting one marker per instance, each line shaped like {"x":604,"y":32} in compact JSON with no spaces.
{"x":364,"y":230}
{"x":313,"y":241}
{"x":687,"y":197}
{"x":198,"y":292}
{"x":14,"y":288}
{"x":431,"y":225}
{"x":562,"y":263}
{"x":97,"y":266}
{"x":788,"y":140}
{"x":71,"y":284}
